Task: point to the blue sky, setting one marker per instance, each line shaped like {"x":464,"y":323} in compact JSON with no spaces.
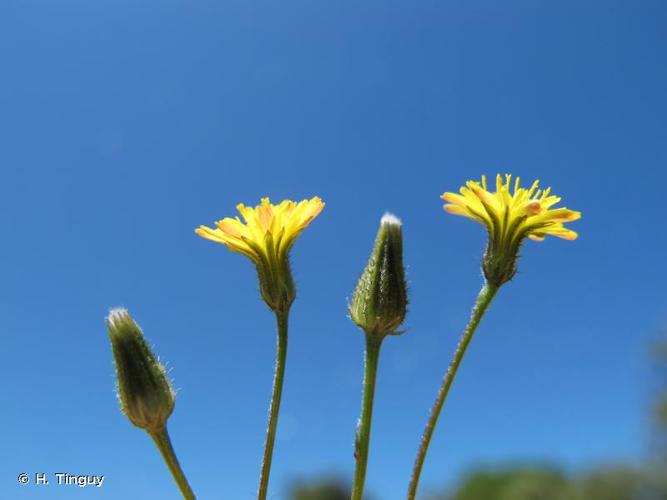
{"x":124,"y":125}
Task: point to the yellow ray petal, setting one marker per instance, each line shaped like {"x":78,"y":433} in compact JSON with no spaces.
{"x":522,"y":212}
{"x":266,"y":229}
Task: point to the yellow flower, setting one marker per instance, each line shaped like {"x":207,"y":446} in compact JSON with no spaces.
{"x":266,"y":236}
{"x":510,"y":214}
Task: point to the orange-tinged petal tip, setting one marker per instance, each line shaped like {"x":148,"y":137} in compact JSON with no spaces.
{"x":533,"y":207}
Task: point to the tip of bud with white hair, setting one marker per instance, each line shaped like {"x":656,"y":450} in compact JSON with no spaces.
{"x":390,"y":218}
{"x":117,"y":315}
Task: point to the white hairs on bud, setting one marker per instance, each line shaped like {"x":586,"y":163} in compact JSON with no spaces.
{"x":390,"y":218}
{"x":117,"y":315}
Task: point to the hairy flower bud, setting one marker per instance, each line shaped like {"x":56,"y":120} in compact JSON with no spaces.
{"x":379,"y":302}
{"x":144,"y":391}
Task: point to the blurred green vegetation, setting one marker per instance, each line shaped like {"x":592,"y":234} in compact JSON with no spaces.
{"x":659,"y":409}
{"x":528,"y":483}
{"x":325,"y":489}
{"x":536,"y":483}
{"x":511,"y":484}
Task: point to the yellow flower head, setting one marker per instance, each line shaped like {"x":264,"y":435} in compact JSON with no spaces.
{"x":266,"y":235}
{"x":510,"y":214}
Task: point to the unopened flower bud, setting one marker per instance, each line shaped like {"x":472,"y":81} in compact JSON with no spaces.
{"x":144,"y":391}
{"x":380,"y":299}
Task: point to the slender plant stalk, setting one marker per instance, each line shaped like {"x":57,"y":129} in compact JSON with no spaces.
{"x":163,"y":443}
{"x":363,"y":437}
{"x":484,"y":298}
{"x":281,"y":318}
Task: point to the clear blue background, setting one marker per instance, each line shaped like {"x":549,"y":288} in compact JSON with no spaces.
{"x":126,"y":124}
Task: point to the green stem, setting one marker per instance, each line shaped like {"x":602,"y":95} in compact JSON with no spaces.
{"x":363,"y":437}
{"x":161,"y":438}
{"x":484,"y":298}
{"x":281,"y":318}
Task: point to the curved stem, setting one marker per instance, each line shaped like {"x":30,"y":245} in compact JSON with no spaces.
{"x":484,"y":298}
{"x":161,"y":438}
{"x":363,"y":437}
{"x":281,"y":318}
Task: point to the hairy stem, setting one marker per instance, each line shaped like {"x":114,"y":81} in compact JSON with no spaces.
{"x":281,"y":318}
{"x":484,"y":298}
{"x":363,"y":437}
{"x":161,"y":438}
